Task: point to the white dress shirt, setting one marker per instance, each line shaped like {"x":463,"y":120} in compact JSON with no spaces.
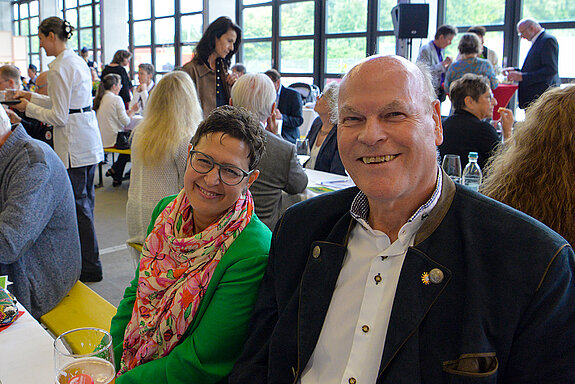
{"x":77,"y":138}
{"x":141,"y":97}
{"x":112,"y":118}
{"x":350,"y":345}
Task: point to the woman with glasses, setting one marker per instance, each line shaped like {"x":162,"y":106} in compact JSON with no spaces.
{"x":159,"y":150}
{"x":212,"y":58}
{"x":185,"y":316}
{"x":322,"y":136}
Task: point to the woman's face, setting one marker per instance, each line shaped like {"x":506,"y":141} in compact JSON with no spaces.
{"x":125,"y":62}
{"x":321,"y":105}
{"x":225,"y":43}
{"x":208,"y":196}
{"x":47,"y":42}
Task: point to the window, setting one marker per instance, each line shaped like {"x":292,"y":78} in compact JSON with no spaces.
{"x":164,"y":33}
{"x":313,"y":41}
{"x":26,"y":19}
{"x":84,"y":16}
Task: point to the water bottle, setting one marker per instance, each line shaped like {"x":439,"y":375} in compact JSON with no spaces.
{"x":472,"y":172}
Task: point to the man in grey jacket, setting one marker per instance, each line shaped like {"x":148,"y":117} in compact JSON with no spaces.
{"x":39,"y":241}
{"x":279,"y":168}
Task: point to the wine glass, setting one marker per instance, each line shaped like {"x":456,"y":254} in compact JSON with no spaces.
{"x":84,"y":353}
{"x":302,"y":150}
{"x":452,"y":166}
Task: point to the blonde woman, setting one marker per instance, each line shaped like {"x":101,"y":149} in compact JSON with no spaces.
{"x":535,"y":171}
{"x":159,"y":149}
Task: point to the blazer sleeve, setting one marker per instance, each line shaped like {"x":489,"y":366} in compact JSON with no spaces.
{"x":296,"y":176}
{"x":549,"y":55}
{"x":547,"y":327}
{"x":208,"y":354}
{"x":292,"y":113}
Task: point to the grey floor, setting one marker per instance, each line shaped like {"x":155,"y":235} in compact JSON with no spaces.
{"x":112,"y":232}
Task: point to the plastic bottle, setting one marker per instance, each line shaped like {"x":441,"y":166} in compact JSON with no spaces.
{"x":472,"y":173}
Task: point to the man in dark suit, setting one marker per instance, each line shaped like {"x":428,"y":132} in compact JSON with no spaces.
{"x":466,"y":130}
{"x":540,"y":68}
{"x":408,"y":278}
{"x":289,"y":107}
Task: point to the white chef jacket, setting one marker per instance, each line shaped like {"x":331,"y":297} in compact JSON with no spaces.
{"x":112,"y":118}
{"x":77,"y":138}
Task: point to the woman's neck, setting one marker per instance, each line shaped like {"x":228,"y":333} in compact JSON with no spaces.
{"x":59,"y":48}
{"x":470,"y":55}
{"x":212,"y":61}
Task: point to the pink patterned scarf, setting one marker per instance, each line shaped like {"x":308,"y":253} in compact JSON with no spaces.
{"x":175,"y":271}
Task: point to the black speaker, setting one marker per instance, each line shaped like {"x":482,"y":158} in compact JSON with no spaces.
{"x":410,"y":20}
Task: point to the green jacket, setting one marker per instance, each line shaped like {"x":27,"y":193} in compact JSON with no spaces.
{"x":215,"y":338}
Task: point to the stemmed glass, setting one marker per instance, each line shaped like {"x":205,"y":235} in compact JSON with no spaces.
{"x":452,"y":166}
{"x":302,"y":150}
{"x":84,"y":355}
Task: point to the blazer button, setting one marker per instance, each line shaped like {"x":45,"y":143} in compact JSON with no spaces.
{"x":352,"y":380}
{"x":436,"y":276}
{"x":316,"y":251}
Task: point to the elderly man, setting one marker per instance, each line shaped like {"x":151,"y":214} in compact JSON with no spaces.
{"x":431,"y":54}
{"x":279,"y":168}
{"x":39,"y":242}
{"x":10,"y":79}
{"x":540,"y":69}
{"x":466,"y":131}
{"x":408,"y":278}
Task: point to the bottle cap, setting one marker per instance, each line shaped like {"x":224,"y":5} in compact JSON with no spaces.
{"x":473,"y":155}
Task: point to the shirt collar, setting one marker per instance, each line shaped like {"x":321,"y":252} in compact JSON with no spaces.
{"x":537,"y":36}
{"x":360,"y":206}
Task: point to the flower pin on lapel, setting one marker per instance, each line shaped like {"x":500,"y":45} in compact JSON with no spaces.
{"x":425,"y":278}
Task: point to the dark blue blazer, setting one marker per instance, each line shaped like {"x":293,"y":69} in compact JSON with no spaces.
{"x":328,"y":159}
{"x":540,"y":69}
{"x":290,"y":105}
{"x":504,"y":312}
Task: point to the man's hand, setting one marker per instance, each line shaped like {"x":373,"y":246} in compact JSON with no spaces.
{"x":231,"y":79}
{"x":142,"y":87}
{"x":272,"y":125}
{"x":21,"y":106}
{"x":277,"y":114}
{"x":446,"y":62}
{"x":14,"y":118}
{"x":514,"y":75}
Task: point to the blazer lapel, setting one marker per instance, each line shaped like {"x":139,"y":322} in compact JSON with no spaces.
{"x":413,"y":300}
{"x":317,"y":285}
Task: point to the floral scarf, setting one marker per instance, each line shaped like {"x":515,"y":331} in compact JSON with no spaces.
{"x":175,"y":271}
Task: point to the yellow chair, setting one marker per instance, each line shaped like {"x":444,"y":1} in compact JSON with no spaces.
{"x":82,"y":307}
{"x":136,"y":246}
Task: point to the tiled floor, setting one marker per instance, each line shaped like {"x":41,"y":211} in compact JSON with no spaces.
{"x":110,"y":213}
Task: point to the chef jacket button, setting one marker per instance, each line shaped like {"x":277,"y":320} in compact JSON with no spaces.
{"x":352,"y":380}
{"x":316,"y":251}
{"x":377,"y":278}
{"x":365,"y":328}
{"x":436,"y":276}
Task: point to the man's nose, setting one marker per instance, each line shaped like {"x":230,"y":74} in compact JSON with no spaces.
{"x":372,"y":132}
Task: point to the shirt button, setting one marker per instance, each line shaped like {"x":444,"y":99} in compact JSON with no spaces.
{"x":352,"y":380}
{"x":316,"y":252}
{"x":365,"y":329}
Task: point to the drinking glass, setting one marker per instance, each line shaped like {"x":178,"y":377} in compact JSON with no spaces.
{"x":452,"y":166}
{"x":302,"y":150}
{"x":84,"y":355}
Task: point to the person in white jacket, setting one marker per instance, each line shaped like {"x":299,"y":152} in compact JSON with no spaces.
{"x":142,"y":91}
{"x":112,"y":119}
{"x":77,"y":141}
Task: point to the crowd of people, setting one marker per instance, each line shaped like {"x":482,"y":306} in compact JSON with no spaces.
{"x":406,"y":277}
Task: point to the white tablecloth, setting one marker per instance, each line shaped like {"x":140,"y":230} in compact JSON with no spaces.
{"x":26,"y":352}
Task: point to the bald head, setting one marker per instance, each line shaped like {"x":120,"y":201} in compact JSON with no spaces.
{"x":42,"y":83}
{"x":528,"y":28}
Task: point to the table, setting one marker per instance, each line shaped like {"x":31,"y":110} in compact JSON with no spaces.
{"x":318,"y":182}
{"x":309,"y":116}
{"x":503,"y":94}
{"x":26,"y":352}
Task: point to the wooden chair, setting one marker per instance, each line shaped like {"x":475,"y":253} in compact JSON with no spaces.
{"x":82,"y":307}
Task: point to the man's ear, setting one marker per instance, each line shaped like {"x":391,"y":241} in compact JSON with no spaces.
{"x":231,"y":102}
{"x":273,"y":108}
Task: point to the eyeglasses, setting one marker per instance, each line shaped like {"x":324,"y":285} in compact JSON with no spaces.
{"x":229,"y":174}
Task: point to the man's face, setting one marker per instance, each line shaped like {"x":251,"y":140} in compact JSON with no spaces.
{"x":525,"y":31}
{"x":144,"y":77}
{"x":388,"y":131}
{"x":444,"y":41}
{"x":6,"y":83}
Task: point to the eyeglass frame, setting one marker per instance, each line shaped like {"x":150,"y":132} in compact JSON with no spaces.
{"x":214,"y":163}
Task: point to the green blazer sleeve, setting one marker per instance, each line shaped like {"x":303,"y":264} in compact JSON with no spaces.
{"x":214,"y":340}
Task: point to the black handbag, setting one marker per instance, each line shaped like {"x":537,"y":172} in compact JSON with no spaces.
{"x":123,"y":140}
